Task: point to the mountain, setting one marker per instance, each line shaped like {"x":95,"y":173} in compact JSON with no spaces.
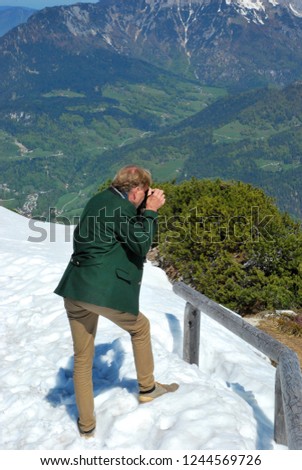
{"x":221,"y":42}
{"x":13,"y":16}
{"x":78,"y":81}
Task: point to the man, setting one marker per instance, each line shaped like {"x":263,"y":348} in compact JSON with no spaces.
{"x":103,"y":278}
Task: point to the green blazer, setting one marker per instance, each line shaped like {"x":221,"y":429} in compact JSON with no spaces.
{"x":110,"y":245}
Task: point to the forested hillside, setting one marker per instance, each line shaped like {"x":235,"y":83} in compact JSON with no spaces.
{"x":52,"y":145}
{"x":63,"y":144}
{"x":255,"y":137}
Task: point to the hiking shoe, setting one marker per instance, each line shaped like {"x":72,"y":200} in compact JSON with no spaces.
{"x":157,"y":391}
{"x":86,"y":434}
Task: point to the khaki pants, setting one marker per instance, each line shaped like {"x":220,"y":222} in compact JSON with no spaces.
{"x":83,"y":318}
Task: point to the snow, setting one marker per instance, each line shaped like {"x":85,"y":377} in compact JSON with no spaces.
{"x":253,"y":4}
{"x":247,"y":4}
{"x":226,"y":403}
{"x":294,"y":9}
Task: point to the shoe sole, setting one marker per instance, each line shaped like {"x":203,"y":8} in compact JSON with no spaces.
{"x":147,"y":399}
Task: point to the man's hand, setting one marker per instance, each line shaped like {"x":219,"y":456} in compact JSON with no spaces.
{"x":155,"y":200}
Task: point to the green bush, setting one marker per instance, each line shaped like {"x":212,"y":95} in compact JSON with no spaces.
{"x":230,"y":242}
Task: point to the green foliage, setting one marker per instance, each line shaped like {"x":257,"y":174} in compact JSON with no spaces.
{"x":230,"y":242}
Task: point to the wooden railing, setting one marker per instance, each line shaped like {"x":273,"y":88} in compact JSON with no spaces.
{"x":288,"y":379}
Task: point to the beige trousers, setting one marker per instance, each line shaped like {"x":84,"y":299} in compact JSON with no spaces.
{"x":83,"y":318}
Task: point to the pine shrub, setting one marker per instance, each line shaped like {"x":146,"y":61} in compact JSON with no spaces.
{"x":229,"y":241}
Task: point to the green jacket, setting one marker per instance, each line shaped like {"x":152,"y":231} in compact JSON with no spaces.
{"x":110,"y":245}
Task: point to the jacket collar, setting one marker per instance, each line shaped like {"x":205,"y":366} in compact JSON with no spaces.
{"x":122,"y":194}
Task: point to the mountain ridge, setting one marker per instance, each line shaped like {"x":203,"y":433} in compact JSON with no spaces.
{"x":219,"y":42}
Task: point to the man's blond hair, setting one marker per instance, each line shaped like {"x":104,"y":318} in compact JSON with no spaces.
{"x":130,"y":177}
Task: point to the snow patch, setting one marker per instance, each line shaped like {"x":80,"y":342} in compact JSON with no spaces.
{"x":247,"y":4}
{"x":225,"y":403}
{"x":295,"y":11}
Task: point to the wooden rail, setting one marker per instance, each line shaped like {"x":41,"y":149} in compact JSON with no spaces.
{"x":288,"y":381}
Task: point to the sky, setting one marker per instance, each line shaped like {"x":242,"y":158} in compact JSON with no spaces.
{"x":39,"y":4}
{"x":225,"y":403}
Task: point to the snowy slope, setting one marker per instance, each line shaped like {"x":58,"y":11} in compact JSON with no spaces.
{"x":227,"y":403}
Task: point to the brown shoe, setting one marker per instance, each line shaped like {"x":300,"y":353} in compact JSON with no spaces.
{"x":157,"y":391}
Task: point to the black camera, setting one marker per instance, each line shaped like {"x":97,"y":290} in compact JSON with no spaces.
{"x":142,"y":206}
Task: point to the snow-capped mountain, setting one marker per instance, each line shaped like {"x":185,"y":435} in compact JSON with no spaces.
{"x":231,"y":42}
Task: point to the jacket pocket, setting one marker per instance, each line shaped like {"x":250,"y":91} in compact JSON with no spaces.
{"x":122,"y":274}
{"x":78,"y":261}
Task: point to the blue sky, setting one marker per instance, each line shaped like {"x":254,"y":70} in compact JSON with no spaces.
{"x":39,"y":4}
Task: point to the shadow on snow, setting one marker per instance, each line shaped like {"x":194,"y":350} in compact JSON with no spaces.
{"x":108,"y":359}
{"x":265,"y":428}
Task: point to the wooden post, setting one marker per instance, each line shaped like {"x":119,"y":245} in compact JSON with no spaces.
{"x":279,"y":426}
{"x":291,"y":385}
{"x":191,"y":334}
{"x":232,"y":321}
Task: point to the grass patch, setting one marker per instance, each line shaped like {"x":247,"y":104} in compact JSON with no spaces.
{"x":170,"y":104}
{"x":8,"y":146}
{"x":235,"y":131}
{"x":64,"y":94}
{"x":269,"y":165}
{"x":65,"y":200}
{"x":166,"y":171}
{"x":8,"y":203}
{"x":270,"y":326}
{"x":275,"y":166}
{"x":291,"y":325}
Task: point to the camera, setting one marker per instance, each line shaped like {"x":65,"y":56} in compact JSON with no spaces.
{"x":142,"y":206}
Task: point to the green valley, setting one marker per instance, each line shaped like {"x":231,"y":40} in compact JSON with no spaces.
{"x":49,"y":143}
{"x":63,"y":144}
{"x":255,"y":137}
